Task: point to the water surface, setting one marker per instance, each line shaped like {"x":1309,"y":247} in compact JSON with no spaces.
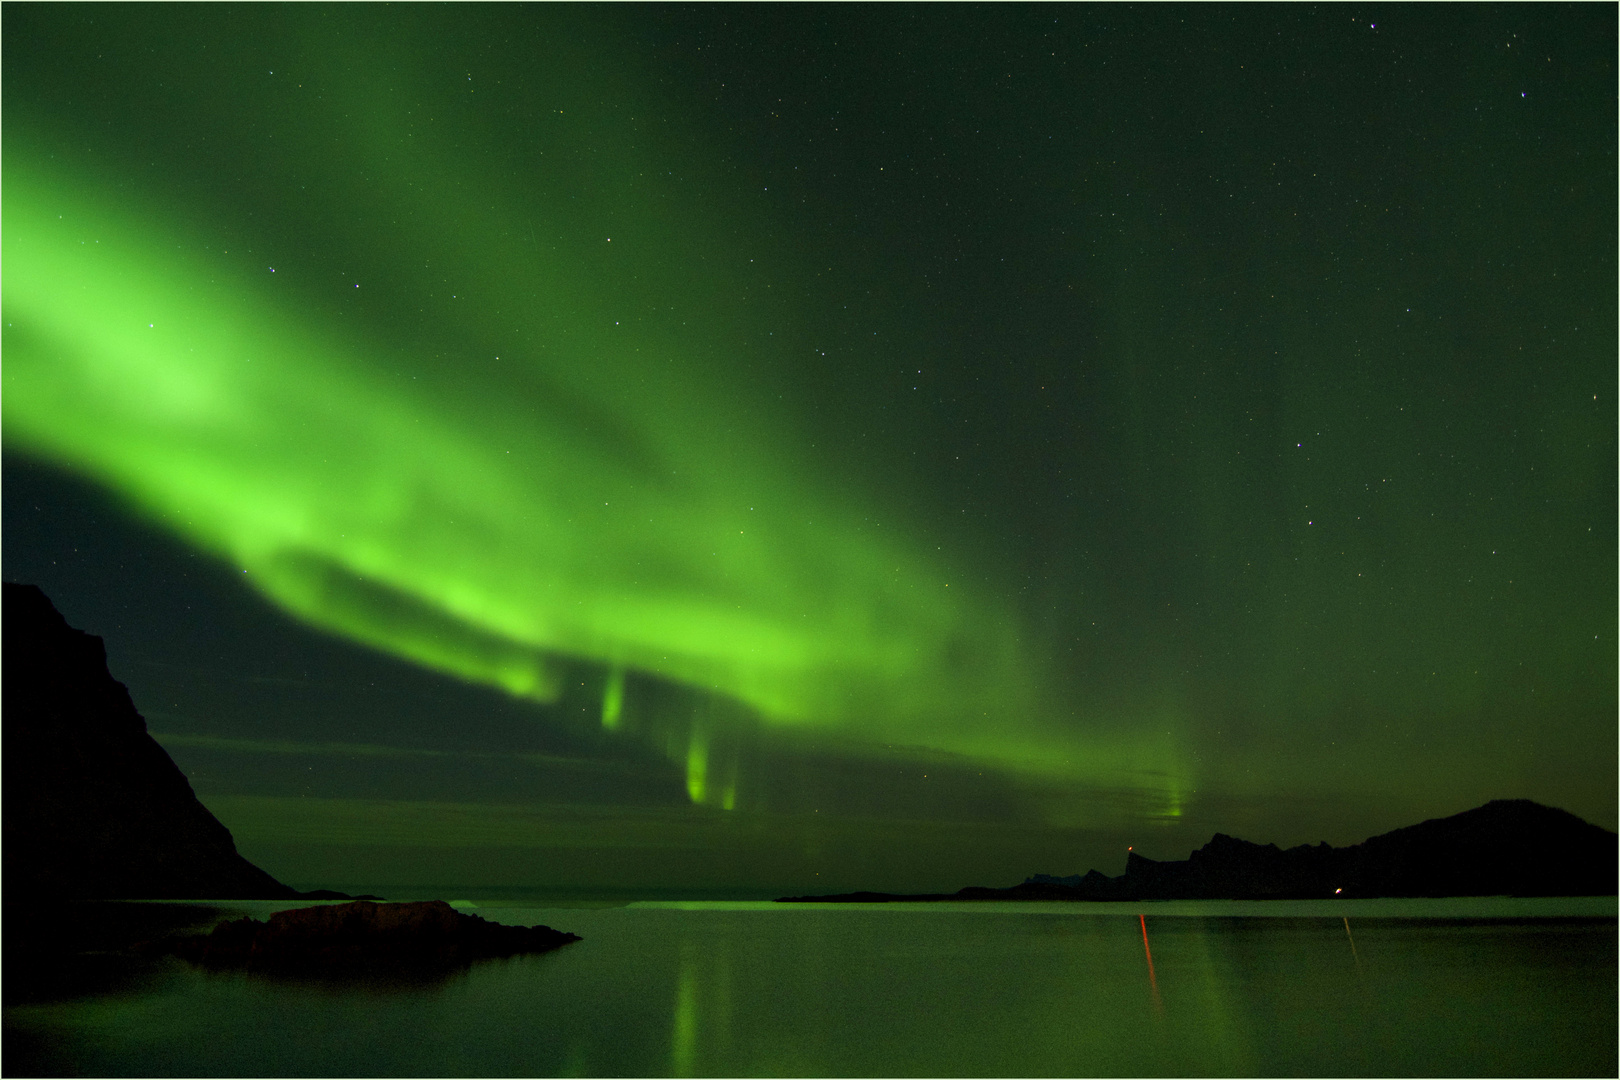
{"x":1493,"y":987}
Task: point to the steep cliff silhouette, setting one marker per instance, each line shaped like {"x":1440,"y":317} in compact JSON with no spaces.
{"x":93,"y":806}
{"x":1508,"y":847}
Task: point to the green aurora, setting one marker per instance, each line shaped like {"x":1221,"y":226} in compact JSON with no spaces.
{"x":595,"y":488}
{"x":529,"y":523}
{"x":514,"y":348}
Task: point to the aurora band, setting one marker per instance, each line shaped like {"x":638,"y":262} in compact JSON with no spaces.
{"x":581,"y":496}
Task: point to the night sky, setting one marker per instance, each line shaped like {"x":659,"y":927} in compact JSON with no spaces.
{"x":729,"y":451}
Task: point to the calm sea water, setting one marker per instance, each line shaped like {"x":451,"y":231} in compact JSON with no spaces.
{"x":1406,"y":988}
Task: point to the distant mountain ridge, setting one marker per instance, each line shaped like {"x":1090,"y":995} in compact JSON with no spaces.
{"x":94,"y":808}
{"x":1508,"y":847}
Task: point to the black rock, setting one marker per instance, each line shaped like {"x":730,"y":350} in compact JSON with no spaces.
{"x":1095,"y":882}
{"x":94,"y":808}
{"x":1072,"y":881}
{"x":1510,"y":847}
{"x":364,"y":938}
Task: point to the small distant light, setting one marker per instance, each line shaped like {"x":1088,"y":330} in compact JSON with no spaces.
{"x":1336,"y":892}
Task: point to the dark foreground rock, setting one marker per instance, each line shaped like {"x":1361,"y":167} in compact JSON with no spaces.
{"x":362,"y":938}
{"x":94,"y":808}
{"x":1509,"y":847}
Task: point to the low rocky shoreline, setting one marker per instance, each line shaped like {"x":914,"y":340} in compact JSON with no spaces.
{"x":362,"y":937}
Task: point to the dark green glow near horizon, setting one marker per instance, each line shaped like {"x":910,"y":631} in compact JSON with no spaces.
{"x":578,"y":496}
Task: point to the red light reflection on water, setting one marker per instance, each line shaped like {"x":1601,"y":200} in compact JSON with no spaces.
{"x":1153,"y":979}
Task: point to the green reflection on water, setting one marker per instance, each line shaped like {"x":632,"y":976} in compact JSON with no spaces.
{"x":683,"y":1039}
{"x":905,"y":990}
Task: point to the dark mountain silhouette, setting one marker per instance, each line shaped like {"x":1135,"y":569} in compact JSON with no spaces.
{"x":94,"y":808}
{"x":1509,"y":847}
